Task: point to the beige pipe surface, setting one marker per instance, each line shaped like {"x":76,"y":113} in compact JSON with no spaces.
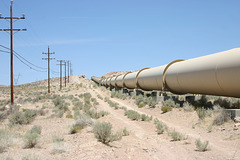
{"x":103,"y":82}
{"x":95,"y":79}
{"x":112,"y":81}
{"x":216,"y":74}
{"x":119,"y":81}
{"x":130,"y":80}
{"x":108,"y":81}
{"x":151,"y":79}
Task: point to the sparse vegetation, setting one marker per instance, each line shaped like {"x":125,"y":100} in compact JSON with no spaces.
{"x":125,"y":132}
{"x":103,"y":132}
{"x":133,"y":115}
{"x":31,"y":137}
{"x":201,"y":146}
{"x":161,"y":127}
{"x":221,"y":118}
{"x":176,"y":136}
{"x":22,"y":118}
{"x":81,"y":121}
{"x":170,"y":103}
{"x":58,"y":144}
{"x":166,"y":109}
{"x":188,"y":107}
{"x":145,"y":117}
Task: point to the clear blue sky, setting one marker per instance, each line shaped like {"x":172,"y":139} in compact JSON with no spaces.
{"x":100,"y":36}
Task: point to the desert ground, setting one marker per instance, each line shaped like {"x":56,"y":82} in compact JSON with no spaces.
{"x":65,"y":125}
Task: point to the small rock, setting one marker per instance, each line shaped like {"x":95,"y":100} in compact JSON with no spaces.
{"x":237,"y":119}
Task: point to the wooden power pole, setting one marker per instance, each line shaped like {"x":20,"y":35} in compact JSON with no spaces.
{"x":68,"y":63}
{"x":65,"y":64}
{"x":11,"y":39}
{"x":48,"y":66}
{"x":61,"y":63}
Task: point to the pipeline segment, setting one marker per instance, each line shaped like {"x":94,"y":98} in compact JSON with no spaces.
{"x":215,"y":74}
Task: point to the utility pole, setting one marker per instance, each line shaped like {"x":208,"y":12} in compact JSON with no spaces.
{"x":70,"y":68}
{"x":48,"y":66}
{"x":11,"y":39}
{"x":68,"y":62}
{"x":65,"y":64}
{"x":61,"y":63}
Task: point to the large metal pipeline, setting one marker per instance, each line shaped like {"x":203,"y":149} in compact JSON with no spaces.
{"x":119,"y":81}
{"x":216,"y":74}
{"x":96,"y":79}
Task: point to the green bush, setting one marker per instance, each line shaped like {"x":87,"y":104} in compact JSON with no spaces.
{"x":103,"y":132}
{"x":166,"y":109}
{"x":133,"y":115}
{"x":201,"y":146}
{"x":141,"y":105}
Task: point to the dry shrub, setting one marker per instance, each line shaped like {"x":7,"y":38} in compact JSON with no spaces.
{"x":103,"y":132}
{"x":201,"y":146}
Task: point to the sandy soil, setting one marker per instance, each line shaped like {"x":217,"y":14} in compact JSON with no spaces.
{"x":142,"y":143}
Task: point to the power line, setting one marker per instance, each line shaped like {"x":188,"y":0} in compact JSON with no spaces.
{"x":4,"y":51}
{"x":22,"y":57}
{"x":23,"y":62}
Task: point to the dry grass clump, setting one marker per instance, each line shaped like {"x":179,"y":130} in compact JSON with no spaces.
{"x":161,"y":127}
{"x":22,"y":118}
{"x":81,"y":121}
{"x":145,"y":117}
{"x":58,"y":142}
{"x":133,"y":115}
{"x":142,"y":101}
{"x":125,"y":132}
{"x":202,"y":146}
{"x":170,"y":103}
{"x":188,"y":107}
{"x":221,"y":118}
{"x":176,"y":136}
{"x":31,"y":137}
{"x":111,"y":103}
{"x":4,"y":137}
{"x":95,"y":115}
{"x":103,"y":132}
